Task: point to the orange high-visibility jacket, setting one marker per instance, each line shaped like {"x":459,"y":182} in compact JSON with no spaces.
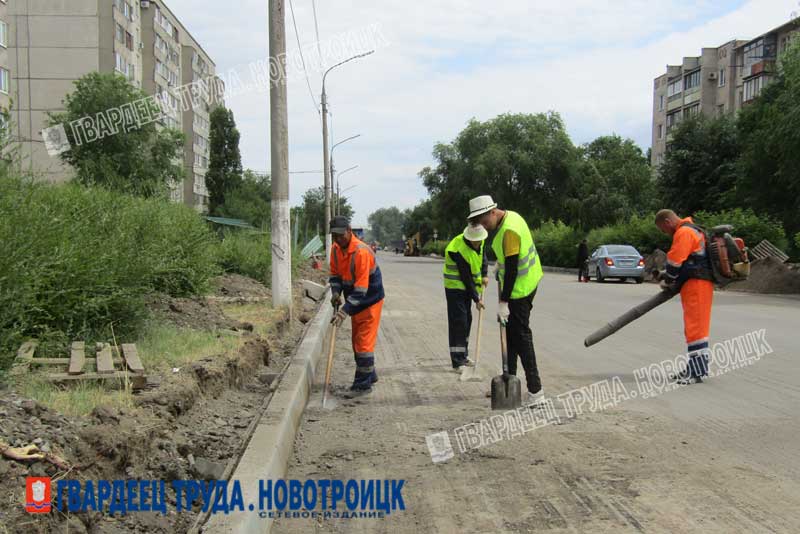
{"x":355,"y":272}
{"x":687,"y":257}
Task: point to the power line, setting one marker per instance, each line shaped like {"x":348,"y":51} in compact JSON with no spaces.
{"x":316,"y":29}
{"x":302,"y":60}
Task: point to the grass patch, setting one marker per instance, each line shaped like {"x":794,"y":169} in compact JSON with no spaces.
{"x":76,"y":400}
{"x":161,"y":347}
{"x":262,"y":317}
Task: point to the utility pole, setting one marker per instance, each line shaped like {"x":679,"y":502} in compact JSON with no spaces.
{"x":326,"y":155}
{"x":279,"y":155}
{"x":327,"y":171}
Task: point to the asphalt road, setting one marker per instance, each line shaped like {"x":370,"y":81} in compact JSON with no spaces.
{"x":715,"y":457}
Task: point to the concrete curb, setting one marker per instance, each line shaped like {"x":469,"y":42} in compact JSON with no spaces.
{"x":267,"y":454}
{"x":567,"y":270}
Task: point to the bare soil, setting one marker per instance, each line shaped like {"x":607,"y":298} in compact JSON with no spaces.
{"x":191,"y":427}
{"x":771,"y":276}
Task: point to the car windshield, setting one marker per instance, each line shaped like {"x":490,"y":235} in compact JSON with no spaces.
{"x":620,"y":250}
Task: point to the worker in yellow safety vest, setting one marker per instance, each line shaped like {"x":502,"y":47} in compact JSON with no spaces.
{"x":465,"y":277}
{"x":519,"y":271}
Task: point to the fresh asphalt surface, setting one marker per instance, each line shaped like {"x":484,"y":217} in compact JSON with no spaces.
{"x":715,"y":457}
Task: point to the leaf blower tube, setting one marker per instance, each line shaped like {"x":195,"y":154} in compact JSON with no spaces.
{"x":630,"y":316}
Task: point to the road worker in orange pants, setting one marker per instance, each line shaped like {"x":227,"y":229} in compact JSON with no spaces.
{"x":356,"y":275}
{"x":689,"y":268}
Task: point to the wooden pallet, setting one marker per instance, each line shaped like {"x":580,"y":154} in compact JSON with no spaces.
{"x":108,"y":364}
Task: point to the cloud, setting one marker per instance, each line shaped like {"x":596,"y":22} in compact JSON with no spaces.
{"x":448,"y":61}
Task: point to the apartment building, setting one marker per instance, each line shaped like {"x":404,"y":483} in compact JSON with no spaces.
{"x":199,"y":69}
{"x":720,"y":80}
{"x":53,"y":44}
{"x":5,"y":66}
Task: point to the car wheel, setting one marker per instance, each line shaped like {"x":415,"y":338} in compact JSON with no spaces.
{"x":599,"y":275}
{"x":623,"y":280}
{"x":640,"y":280}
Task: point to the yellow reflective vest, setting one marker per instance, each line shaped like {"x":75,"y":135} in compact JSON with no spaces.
{"x":529,"y":270}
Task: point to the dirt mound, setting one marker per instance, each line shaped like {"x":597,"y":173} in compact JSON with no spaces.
{"x":199,"y":314}
{"x":656,"y":260}
{"x":770,"y":276}
{"x":236,"y":285}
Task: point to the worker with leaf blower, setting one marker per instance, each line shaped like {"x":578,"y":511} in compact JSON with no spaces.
{"x":519,"y":274}
{"x":356,"y":275}
{"x":465,"y":277}
{"x":689,"y":271}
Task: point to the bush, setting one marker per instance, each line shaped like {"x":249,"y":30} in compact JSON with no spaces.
{"x":434,"y":247}
{"x":245,"y":253}
{"x":747,"y":225}
{"x":557,"y":244}
{"x":797,"y":240}
{"x":638,"y":231}
{"x":78,"y":260}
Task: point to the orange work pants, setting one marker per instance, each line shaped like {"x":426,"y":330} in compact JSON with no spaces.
{"x":696,"y":298}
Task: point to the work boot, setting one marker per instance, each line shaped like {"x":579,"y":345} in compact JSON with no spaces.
{"x":535,"y":399}
{"x":690,"y":380}
{"x":357,"y":392}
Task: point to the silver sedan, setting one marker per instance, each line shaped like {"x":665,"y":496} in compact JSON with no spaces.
{"x":616,"y":261}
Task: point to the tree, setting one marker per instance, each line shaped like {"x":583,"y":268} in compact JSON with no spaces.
{"x":699,"y":171}
{"x":769,"y":128}
{"x":525,"y":161}
{"x":421,"y":219}
{"x":613,"y":181}
{"x":250,"y":201}
{"x":386,"y":224}
{"x":144,"y":160}
{"x":225,"y":162}
{"x":314,"y":210}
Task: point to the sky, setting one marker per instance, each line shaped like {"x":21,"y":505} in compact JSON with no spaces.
{"x":439,"y":63}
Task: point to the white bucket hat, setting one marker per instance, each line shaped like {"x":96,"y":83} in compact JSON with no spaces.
{"x":475,"y":232}
{"x":480,"y":205}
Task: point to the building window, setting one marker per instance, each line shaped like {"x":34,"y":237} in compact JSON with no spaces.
{"x":753,"y":87}
{"x":691,"y":81}
{"x":4,"y":80}
{"x":129,"y":41}
{"x":674,"y":88}
{"x":661,"y":131}
{"x":673,"y":119}
{"x":660,"y":102}
{"x":121,"y":64}
{"x":120,"y":34}
{"x":721,"y":79}
{"x":3,"y":34}
{"x":691,"y":111}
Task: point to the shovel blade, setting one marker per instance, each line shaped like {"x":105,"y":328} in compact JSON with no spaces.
{"x":506,"y":392}
{"x":470,"y":374}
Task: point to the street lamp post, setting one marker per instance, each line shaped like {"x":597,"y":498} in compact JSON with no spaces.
{"x":326,"y":154}
{"x":338,"y":193}
{"x":333,"y":172}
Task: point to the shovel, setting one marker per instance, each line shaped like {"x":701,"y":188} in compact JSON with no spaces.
{"x":330,"y":365}
{"x":470,"y":374}
{"x":506,"y":388}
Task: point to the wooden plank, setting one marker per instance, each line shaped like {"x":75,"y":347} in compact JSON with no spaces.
{"x":132,"y":358}
{"x":137,"y":381}
{"x":77,"y":358}
{"x":65,"y":361}
{"x":105,"y":363}
{"x":24,"y":357}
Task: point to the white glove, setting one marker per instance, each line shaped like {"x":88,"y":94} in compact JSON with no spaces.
{"x":503,"y":312}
